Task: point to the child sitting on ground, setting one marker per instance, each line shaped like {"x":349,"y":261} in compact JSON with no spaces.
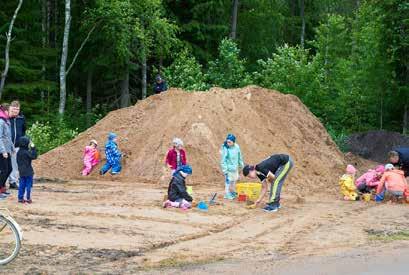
{"x":91,"y":157}
{"x":177,"y":192}
{"x":393,"y":182}
{"x":113,"y":156}
{"x":348,"y":188}
{"x":176,"y":156}
{"x":370,"y":180}
{"x":26,"y":153}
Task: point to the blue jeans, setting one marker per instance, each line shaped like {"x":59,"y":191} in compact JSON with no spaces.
{"x":115,"y":167}
{"x":26,"y":183}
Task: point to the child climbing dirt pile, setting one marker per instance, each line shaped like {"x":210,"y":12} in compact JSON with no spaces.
{"x":266,"y":122}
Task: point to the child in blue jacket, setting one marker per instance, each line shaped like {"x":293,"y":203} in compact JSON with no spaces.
{"x":26,"y":154}
{"x":113,"y":156}
{"x":231,"y":161}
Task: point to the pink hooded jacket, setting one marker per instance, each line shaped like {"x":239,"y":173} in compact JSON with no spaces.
{"x":89,"y":155}
{"x":370,"y":178}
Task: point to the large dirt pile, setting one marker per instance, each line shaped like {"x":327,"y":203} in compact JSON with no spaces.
{"x":264,"y":121}
{"x":375,"y":145}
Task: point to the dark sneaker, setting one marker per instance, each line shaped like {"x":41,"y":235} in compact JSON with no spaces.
{"x":271,"y":208}
{"x":29,"y":201}
{"x":21,"y":201}
{"x":13,"y":185}
{"x":101,"y":173}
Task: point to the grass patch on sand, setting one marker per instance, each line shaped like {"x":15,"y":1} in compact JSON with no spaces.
{"x":387,"y":235}
{"x":182,"y":262}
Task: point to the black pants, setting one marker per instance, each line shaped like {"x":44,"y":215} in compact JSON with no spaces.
{"x":5,"y":170}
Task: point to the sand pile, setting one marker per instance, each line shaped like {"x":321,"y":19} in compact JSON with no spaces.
{"x":264,"y":121}
{"x":375,"y":145}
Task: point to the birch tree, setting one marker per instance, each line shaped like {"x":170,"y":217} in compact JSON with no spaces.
{"x":64,"y":55}
{"x":7,"y":50}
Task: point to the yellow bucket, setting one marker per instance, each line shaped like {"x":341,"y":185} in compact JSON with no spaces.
{"x":366,"y":197}
{"x":189,"y":190}
{"x":250,"y":189}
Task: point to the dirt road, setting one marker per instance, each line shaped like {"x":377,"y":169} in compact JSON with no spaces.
{"x":113,"y":227}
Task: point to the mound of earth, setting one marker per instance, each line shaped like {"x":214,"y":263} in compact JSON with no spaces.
{"x":375,"y":145}
{"x":264,"y":121}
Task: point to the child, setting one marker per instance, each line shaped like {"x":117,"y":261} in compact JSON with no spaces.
{"x":91,"y":157}
{"x":348,"y":188}
{"x":394,"y":182}
{"x":113,"y":156}
{"x":25,"y":155}
{"x":177,"y":192}
{"x":370,"y":180}
{"x":176,"y":156}
{"x":230,"y":162}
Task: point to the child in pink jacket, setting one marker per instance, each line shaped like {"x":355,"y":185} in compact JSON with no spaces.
{"x":370,"y":180}
{"x":91,"y":157}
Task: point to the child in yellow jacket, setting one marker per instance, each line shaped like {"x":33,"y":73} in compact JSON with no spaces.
{"x":347,"y":184}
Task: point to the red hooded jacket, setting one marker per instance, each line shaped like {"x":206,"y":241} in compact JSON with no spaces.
{"x":172,"y":159}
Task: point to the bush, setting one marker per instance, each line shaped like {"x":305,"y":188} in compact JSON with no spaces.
{"x":186,"y":73}
{"x":228,"y":70}
{"x":47,"y":136}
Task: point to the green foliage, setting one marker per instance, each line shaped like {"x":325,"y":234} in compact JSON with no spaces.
{"x":228,"y":70}
{"x":47,"y":136}
{"x":185,"y":72}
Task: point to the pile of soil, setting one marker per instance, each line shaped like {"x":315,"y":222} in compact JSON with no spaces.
{"x":264,"y":121}
{"x":375,"y":145}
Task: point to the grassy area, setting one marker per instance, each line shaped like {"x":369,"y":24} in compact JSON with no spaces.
{"x":384,"y":235}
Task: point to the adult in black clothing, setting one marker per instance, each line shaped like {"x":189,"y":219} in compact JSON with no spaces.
{"x":160,"y":85}
{"x":400,"y":157}
{"x":273,"y":171}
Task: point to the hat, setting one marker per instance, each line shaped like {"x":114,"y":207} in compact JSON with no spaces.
{"x":380,"y":169}
{"x":351,"y":169}
{"x":158,"y":78}
{"x":177,"y":142}
{"x":389,"y":166}
{"x":231,"y":137}
{"x":187,"y":169}
{"x":246,"y":169}
{"x":94,"y":141}
{"x":111,"y":136}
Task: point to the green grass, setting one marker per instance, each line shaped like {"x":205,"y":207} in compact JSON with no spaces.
{"x":383,"y":235}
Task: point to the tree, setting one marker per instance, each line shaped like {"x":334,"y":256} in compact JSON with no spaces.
{"x":235,"y":11}
{"x":228,"y":70}
{"x":64,"y":55}
{"x":186,"y":73}
{"x":7,"y":50}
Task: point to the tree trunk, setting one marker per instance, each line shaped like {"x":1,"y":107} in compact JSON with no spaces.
{"x":381,"y":112}
{"x":302,"y":8}
{"x":406,"y":119}
{"x":7,"y":49}
{"x":43,"y":42}
{"x":125,"y":97}
{"x":235,"y":10}
{"x":144,"y":78}
{"x":89,"y":97}
{"x":64,"y":54}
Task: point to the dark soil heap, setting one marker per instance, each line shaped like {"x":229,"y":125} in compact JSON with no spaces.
{"x":264,"y":121}
{"x":375,"y":145}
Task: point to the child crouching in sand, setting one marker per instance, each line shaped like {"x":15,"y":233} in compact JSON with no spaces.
{"x":347,"y":184}
{"x":177,"y":192}
{"x":91,"y":157}
{"x":392,"y":182}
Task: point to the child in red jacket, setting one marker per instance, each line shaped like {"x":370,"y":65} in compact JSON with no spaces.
{"x":176,"y":156}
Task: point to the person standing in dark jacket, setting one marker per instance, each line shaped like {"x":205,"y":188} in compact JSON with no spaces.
{"x":25,"y":156}
{"x":273,"y":170}
{"x":160,"y":85}
{"x":400,"y":157}
{"x":18,"y":129}
{"x":6,"y":149}
{"x":177,"y":192}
